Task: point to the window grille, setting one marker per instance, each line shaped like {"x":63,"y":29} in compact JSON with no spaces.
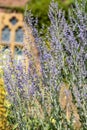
{"x":6,"y":34}
{"x":19,"y":35}
{"x":13,"y":21}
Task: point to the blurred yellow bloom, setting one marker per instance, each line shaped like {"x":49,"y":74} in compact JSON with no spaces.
{"x":7,"y":103}
{"x":53,"y":121}
{"x":48,"y":45}
{"x":3,"y":110}
{"x":3,"y":92}
{"x":1,"y":82}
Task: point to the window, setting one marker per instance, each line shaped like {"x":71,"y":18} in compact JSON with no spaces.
{"x":13,"y":21}
{"x":18,"y":51}
{"x":5,"y":48}
{"x":18,"y":55}
{"x":5,"y":53}
{"x":5,"y":34}
{"x":19,"y":35}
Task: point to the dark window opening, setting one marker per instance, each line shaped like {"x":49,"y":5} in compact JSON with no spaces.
{"x":13,"y":21}
{"x":5,"y":34}
{"x":19,"y":35}
{"x":18,"y":51}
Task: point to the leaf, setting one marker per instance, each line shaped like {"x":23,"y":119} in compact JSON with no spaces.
{"x":15,"y":126}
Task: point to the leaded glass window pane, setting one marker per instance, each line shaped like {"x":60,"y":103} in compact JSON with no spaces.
{"x":18,"y":51}
{"x":19,"y":35}
{"x":5,"y":48}
{"x":18,"y":55}
{"x":6,"y":34}
{"x":13,"y":21}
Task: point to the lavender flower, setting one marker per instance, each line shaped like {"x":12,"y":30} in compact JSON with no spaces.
{"x":62,"y":61}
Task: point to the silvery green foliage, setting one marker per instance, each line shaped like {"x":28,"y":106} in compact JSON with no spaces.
{"x":66,"y":59}
{"x":70,"y":41}
{"x":78,"y":23}
{"x":21,"y":87}
{"x":62,"y":55}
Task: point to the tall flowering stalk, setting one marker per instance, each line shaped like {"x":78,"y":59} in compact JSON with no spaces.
{"x":62,"y":58}
{"x":21,"y":86}
{"x":79,"y":28}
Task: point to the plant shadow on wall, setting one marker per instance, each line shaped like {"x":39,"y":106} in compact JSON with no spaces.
{"x":37,"y":95}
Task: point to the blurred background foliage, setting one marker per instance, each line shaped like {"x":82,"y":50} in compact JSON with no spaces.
{"x":40,"y":9}
{"x":2,"y":107}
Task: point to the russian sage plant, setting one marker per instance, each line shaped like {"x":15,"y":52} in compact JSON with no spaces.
{"x":35,"y":93}
{"x":79,"y":27}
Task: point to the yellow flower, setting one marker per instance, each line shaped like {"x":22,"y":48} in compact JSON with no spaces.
{"x":7,"y":103}
{"x":1,"y":82}
{"x":48,"y":45}
{"x":53,"y":121}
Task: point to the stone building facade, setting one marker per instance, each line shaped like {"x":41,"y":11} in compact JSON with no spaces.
{"x":12,"y":30}
{"x":12,"y":25}
{"x":11,"y":37}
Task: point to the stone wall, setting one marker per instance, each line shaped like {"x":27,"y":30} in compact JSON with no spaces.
{"x":13,"y":3}
{"x":6,"y":21}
